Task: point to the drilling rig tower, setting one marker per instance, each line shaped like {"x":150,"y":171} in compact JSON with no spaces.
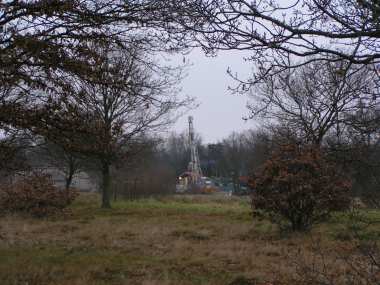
{"x":194,"y":164}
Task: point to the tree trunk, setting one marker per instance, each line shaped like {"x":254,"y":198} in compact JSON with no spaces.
{"x":71,"y":171}
{"x":106,"y":186}
{"x":69,"y":180}
{"x":115,"y":193}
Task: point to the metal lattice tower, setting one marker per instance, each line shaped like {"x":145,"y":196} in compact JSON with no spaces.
{"x":194,"y":164}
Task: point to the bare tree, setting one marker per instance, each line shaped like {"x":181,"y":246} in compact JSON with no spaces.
{"x":140,"y":96}
{"x":47,"y":46}
{"x":131,"y":93}
{"x":315,"y":100}
{"x":68,"y":162}
{"x":42,"y":41}
{"x":148,"y":172}
{"x":277,"y":32}
{"x":13,"y":147}
{"x":177,"y":152}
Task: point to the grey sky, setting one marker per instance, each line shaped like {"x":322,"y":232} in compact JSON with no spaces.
{"x":220,"y":112}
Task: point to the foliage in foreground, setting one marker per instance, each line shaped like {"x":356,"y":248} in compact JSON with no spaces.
{"x":35,"y":195}
{"x":300,"y":186}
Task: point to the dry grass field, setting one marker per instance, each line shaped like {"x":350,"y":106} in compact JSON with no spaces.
{"x":170,"y":240}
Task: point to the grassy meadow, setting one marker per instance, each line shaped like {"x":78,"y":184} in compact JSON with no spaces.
{"x":168,"y":240}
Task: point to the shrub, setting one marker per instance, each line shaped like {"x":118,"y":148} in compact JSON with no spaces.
{"x":35,"y":195}
{"x":300,"y":187}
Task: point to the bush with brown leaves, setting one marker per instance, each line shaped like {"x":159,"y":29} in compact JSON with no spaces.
{"x":299,"y":187}
{"x":35,"y":195}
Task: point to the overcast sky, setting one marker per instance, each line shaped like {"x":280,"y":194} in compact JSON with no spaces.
{"x":220,"y":112}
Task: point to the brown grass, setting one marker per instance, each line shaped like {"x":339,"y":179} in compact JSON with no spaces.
{"x":175,"y":240}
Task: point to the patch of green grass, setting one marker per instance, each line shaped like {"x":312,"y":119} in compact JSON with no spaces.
{"x":237,"y":210}
{"x":166,"y":240}
{"x":53,"y":265}
{"x":174,"y":206}
{"x":73,"y":261}
{"x":362,"y":224}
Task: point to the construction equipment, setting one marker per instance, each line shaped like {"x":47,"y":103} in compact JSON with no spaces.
{"x":192,"y":178}
{"x":194,"y":165}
